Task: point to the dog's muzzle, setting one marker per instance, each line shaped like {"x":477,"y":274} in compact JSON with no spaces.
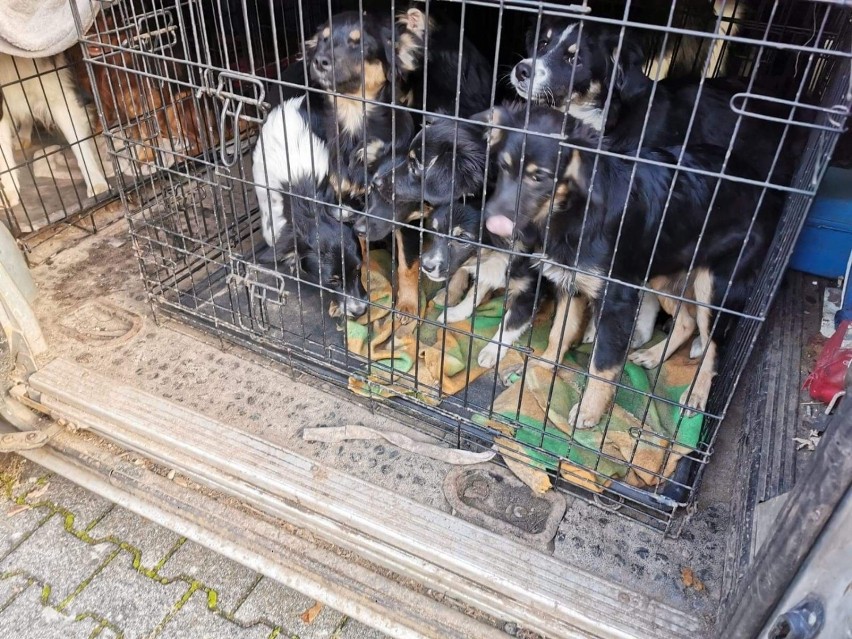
{"x":433,"y":271}
{"x":355,"y":307}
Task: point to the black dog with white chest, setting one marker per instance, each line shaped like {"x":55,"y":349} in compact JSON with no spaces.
{"x":579,"y":67}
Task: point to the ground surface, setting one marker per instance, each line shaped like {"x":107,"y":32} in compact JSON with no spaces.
{"x":75,"y":566}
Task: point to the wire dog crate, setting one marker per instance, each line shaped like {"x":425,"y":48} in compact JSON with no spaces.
{"x":53,"y":163}
{"x":196,"y":219}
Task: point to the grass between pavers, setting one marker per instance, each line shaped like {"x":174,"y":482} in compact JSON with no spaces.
{"x":9,"y":482}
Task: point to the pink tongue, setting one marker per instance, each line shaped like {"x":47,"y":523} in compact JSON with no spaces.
{"x":500,"y":225}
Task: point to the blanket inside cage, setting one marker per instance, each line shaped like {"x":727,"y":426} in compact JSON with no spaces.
{"x":640,"y":443}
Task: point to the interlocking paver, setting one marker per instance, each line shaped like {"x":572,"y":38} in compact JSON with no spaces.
{"x":27,"y":618}
{"x":195,"y":620}
{"x":152,"y":541}
{"x":282,"y":606}
{"x":67,"y":495}
{"x":11,"y":586}
{"x":56,"y":558}
{"x":15,"y":528}
{"x":230,"y":580}
{"x":77,"y":566}
{"x":131,"y":600}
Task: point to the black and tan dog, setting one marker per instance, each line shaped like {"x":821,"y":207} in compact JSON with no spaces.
{"x":439,"y":76}
{"x":445,"y":162}
{"x":604,"y":240}
{"x":352,"y":57}
{"x":474,"y":264}
{"x":394,"y":222}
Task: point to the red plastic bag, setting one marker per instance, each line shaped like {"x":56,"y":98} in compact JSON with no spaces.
{"x":828,"y":378}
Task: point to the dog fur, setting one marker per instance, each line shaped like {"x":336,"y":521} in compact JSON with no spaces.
{"x":358,"y":132}
{"x":290,"y":169}
{"x":583,"y":69}
{"x":445,"y":162}
{"x":448,"y":72}
{"x":42,"y":90}
{"x":584,"y":250}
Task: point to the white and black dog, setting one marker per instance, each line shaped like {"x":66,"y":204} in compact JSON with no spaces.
{"x":290,"y":166}
{"x":42,"y":90}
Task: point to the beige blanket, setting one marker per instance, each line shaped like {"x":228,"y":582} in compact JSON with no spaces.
{"x":41,"y":28}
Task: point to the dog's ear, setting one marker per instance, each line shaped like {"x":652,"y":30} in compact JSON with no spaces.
{"x":387,"y":36}
{"x":630,"y":81}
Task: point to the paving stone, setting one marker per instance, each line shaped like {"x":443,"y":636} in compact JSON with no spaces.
{"x":26,"y":475}
{"x":27,"y":618}
{"x":356,"y":630}
{"x":13,"y":529}
{"x":84,"y":505}
{"x":131,"y":601}
{"x":282,"y":607}
{"x":230,"y":580}
{"x":152,"y":540}
{"x":11,"y":586}
{"x":196,"y":621}
{"x":57,"y":558}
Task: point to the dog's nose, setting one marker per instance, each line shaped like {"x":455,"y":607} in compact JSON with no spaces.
{"x":429,"y":264}
{"x":355,"y":307}
{"x":322,"y":62}
{"x":523,"y":71}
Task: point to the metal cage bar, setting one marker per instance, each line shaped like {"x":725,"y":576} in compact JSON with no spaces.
{"x":195,"y":91}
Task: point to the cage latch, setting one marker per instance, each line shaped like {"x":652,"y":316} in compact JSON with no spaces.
{"x":832,"y":120}
{"x":242,"y":106}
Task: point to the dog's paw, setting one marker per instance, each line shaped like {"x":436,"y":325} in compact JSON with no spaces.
{"x":646,"y":358}
{"x":491,"y":355}
{"x":455,"y":314}
{"x":582,"y":418}
{"x":695,"y":399}
{"x":696,"y":350}
{"x":407,"y":311}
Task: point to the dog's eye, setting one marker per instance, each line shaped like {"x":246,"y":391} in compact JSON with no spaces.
{"x":334,"y":281}
{"x":538,"y":176}
{"x":542,"y":43}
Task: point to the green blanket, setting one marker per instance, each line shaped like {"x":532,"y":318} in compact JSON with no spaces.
{"x":640,"y":443}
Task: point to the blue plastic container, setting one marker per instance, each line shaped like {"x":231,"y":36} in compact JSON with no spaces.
{"x":826,"y":238}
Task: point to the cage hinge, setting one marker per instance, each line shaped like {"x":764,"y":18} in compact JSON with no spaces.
{"x":13,"y":442}
{"x":242,"y":97}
